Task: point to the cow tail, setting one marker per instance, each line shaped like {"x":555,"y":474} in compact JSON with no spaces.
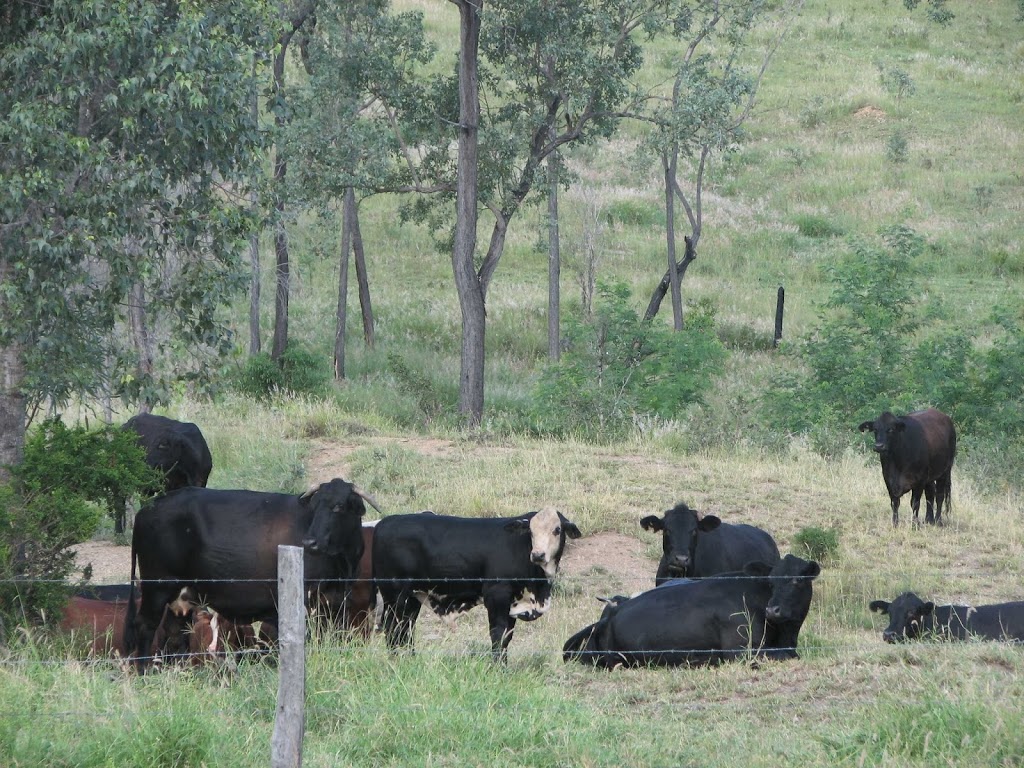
{"x":130,"y":634}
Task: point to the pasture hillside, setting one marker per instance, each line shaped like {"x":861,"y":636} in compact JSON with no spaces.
{"x":819,"y":166}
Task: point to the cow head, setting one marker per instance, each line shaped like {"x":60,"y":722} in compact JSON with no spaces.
{"x":548,"y":529}
{"x":907,"y":616}
{"x":791,"y":579}
{"x":679,"y":529}
{"x":336,"y":527}
{"x":887,"y":429}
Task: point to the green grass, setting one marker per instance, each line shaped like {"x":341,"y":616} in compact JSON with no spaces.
{"x":811,"y":173}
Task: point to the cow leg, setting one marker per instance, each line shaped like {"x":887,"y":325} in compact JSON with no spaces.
{"x":943,"y":491}
{"x":929,"y":494}
{"x":895,"y":501}
{"x":915,"y":501}
{"x":155,"y":599}
{"x":400,"y":613}
{"x":498,"y":602}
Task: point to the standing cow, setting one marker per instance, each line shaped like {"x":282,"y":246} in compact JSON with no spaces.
{"x":910,"y":617}
{"x":694,"y":546}
{"x":917,"y":453}
{"x":455,"y":563}
{"x":758,"y":611}
{"x":176,"y":448}
{"x":223,"y":545}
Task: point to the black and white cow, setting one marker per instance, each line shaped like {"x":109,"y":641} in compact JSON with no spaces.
{"x":452,"y":564}
{"x":910,"y":618}
{"x":757,"y":612}
{"x":695,"y":545}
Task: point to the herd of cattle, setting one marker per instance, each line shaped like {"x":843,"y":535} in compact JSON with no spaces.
{"x":206,"y":562}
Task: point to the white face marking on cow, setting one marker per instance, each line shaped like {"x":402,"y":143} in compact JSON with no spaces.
{"x":184,"y":603}
{"x":528,"y":607}
{"x":545,"y":539}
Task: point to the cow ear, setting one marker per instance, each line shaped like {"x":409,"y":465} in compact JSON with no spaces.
{"x":899,"y":426}
{"x":709,"y":523}
{"x":879,"y":606}
{"x":866,"y":425}
{"x":519,"y":524}
{"x":927,"y":608}
{"x":757,"y":568}
{"x":652,"y":523}
{"x":569,"y":527}
{"x":813,"y":570}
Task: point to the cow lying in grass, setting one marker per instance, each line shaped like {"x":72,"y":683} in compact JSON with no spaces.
{"x":757,"y":612}
{"x":911,"y":618}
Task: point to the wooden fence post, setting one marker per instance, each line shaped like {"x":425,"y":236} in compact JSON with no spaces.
{"x":290,"y":722}
{"x":778,"y":316}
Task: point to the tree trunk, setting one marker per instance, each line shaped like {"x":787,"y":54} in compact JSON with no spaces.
{"x":12,"y":399}
{"x":659,"y":293}
{"x":467,"y":283}
{"x":554,"y":263}
{"x":365,"y":306}
{"x":142,"y":339}
{"x":283,"y":271}
{"x":670,"y":163}
{"x":347,"y":214}
{"x":255,"y":343}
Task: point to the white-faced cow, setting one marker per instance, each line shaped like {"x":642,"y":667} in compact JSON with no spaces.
{"x":911,"y":618}
{"x":455,"y":563}
{"x":222,"y":544}
{"x":176,"y":448}
{"x":755,"y":613}
{"x":917,"y":453}
{"x":695,"y":545}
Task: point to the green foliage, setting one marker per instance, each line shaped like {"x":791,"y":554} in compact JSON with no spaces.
{"x":124,"y":124}
{"x":856,"y":356}
{"x":300,"y":373}
{"x":896,"y":81}
{"x":896,"y":147}
{"x":936,"y":10}
{"x":68,"y":477}
{"x":817,"y":543}
{"x":617,"y":367}
{"x":818,"y":227}
{"x":634,"y":213}
{"x":419,"y":387}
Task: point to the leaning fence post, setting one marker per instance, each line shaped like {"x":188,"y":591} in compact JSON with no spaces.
{"x":290,"y":722}
{"x":778,"y":316}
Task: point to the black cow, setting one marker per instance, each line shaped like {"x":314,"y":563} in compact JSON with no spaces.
{"x":176,"y":448}
{"x":756,"y":612}
{"x":917,"y":453}
{"x":910,"y":618}
{"x":223,"y":545}
{"x":695,"y":546}
{"x":455,"y":563}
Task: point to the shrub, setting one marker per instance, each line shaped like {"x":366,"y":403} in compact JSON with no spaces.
{"x":618,"y":366}
{"x":300,"y":372}
{"x":58,"y":494}
{"x":817,"y":543}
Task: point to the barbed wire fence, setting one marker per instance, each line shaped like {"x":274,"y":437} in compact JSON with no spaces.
{"x":290,"y":651}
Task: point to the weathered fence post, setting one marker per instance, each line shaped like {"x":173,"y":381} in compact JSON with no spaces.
{"x":778,"y":316}
{"x":290,"y":722}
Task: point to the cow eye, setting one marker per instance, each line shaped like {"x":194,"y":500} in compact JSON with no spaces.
{"x":558,"y":531}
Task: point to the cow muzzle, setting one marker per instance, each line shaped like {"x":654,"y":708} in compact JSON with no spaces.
{"x":879,"y":448}
{"x":891,"y":637}
{"x":773,"y":612}
{"x":679,"y":565}
{"x":311,"y":545}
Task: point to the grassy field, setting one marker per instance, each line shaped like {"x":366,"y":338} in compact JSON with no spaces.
{"x":812,"y":172}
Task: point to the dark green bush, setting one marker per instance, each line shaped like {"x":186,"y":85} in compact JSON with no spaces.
{"x":818,"y":227}
{"x":67,"y":479}
{"x":817,"y":543}
{"x":617,"y":366}
{"x":300,"y":372}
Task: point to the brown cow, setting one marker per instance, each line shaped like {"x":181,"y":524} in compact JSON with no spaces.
{"x":96,"y":614}
{"x":917,"y":453}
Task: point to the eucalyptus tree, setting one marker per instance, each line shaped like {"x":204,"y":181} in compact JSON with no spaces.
{"x":125,"y":157}
{"x":532,"y":76}
{"x":725,"y":50}
{"x":362,"y":64}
